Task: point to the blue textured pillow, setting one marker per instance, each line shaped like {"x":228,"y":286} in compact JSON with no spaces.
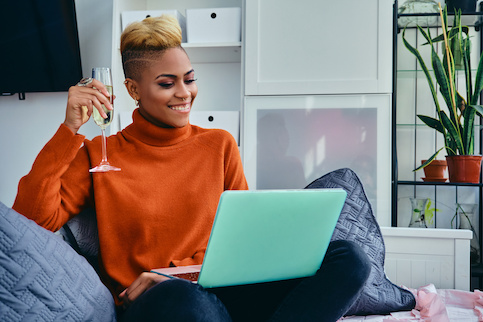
{"x":44,"y":279}
{"x":357,"y":223}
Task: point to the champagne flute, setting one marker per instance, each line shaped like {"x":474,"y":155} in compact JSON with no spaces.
{"x":103,"y":74}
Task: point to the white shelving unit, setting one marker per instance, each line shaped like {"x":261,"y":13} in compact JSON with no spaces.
{"x":214,"y":52}
{"x":320,"y":80}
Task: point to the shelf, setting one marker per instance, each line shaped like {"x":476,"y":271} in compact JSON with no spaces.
{"x":472,"y":19}
{"x":210,"y":45}
{"x":448,"y":184}
{"x":213,"y":52}
{"x":411,"y":73}
{"x":424,"y":126}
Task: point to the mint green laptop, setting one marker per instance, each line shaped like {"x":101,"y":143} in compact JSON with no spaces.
{"x":269,"y":235}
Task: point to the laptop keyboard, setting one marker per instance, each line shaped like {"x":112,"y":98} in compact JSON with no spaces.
{"x":188,"y":276}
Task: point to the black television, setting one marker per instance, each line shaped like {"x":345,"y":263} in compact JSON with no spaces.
{"x":39,"y":46}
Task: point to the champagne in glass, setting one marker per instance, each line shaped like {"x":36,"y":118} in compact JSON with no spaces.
{"x":98,"y":119}
{"x":103,"y":74}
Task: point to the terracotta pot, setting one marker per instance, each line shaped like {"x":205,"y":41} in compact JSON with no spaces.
{"x":464,"y":168}
{"x":435,"y":170}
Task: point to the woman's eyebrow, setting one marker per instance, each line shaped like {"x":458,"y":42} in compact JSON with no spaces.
{"x":174,"y":76}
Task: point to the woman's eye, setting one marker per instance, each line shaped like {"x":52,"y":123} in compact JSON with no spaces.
{"x":189,"y":81}
{"x":165,"y":85}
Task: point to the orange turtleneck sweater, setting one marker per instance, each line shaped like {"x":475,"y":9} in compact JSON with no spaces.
{"x":158,"y":210}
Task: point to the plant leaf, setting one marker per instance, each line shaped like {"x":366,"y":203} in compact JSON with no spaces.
{"x":468,"y":130}
{"x":432,"y":122}
{"x":478,"y":109}
{"x":478,"y":82}
{"x":450,"y":144}
{"x":430,"y":159}
{"x":442,"y":79}
{"x":467,"y":64}
{"x":450,"y":34}
{"x":453,"y":132}
{"x":416,"y":53}
{"x":460,"y":101}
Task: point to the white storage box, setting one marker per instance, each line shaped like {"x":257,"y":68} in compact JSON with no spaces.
{"x":128,"y":17}
{"x":226,"y":120}
{"x":213,"y":25}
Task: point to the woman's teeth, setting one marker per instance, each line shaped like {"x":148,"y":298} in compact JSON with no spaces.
{"x":180,"y":107}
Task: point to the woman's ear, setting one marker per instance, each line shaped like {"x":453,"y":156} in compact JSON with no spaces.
{"x":132,"y":88}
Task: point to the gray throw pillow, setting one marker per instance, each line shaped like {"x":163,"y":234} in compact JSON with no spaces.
{"x":357,"y":223}
{"x":44,"y":279}
{"x":81,"y":233}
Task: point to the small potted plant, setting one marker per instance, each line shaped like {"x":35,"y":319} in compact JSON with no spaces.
{"x":435,"y":171}
{"x":456,"y":121}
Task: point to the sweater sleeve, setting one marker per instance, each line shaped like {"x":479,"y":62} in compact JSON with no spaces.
{"x":234,"y":174}
{"x":59,"y":183}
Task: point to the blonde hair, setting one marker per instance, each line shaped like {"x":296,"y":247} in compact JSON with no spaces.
{"x":145,"y":40}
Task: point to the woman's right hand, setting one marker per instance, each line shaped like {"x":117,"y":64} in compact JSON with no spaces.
{"x":143,"y":283}
{"x":82,"y":100}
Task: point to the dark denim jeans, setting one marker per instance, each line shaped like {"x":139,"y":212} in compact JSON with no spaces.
{"x":326,"y":296}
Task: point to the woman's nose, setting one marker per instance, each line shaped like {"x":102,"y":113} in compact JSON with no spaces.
{"x":182,"y":91}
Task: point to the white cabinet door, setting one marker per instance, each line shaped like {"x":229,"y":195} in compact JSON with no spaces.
{"x":318,"y":47}
{"x":289,"y":141}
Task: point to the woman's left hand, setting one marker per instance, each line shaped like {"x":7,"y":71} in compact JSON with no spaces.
{"x":143,"y":283}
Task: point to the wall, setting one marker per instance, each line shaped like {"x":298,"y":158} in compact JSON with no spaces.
{"x":25,"y":126}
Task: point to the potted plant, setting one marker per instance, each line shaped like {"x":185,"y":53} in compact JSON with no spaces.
{"x":435,"y":171}
{"x":456,"y":122}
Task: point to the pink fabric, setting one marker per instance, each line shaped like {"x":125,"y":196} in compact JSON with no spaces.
{"x":479,"y":304}
{"x":433,"y":305}
{"x":429,"y":305}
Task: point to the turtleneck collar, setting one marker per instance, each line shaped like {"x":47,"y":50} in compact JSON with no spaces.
{"x":151,"y":134}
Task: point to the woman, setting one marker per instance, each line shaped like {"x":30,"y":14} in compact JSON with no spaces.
{"x":158,"y":210}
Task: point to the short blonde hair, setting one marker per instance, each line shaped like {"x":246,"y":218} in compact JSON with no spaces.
{"x":145,"y":40}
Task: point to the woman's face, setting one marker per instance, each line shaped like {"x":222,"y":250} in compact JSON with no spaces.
{"x":167,"y":89}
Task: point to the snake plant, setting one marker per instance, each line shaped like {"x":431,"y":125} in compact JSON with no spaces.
{"x":456,"y":122}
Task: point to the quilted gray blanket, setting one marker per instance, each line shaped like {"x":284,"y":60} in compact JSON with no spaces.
{"x":357,"y":223}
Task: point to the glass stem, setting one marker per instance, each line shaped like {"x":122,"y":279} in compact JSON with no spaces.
{"x":104,"y":149}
